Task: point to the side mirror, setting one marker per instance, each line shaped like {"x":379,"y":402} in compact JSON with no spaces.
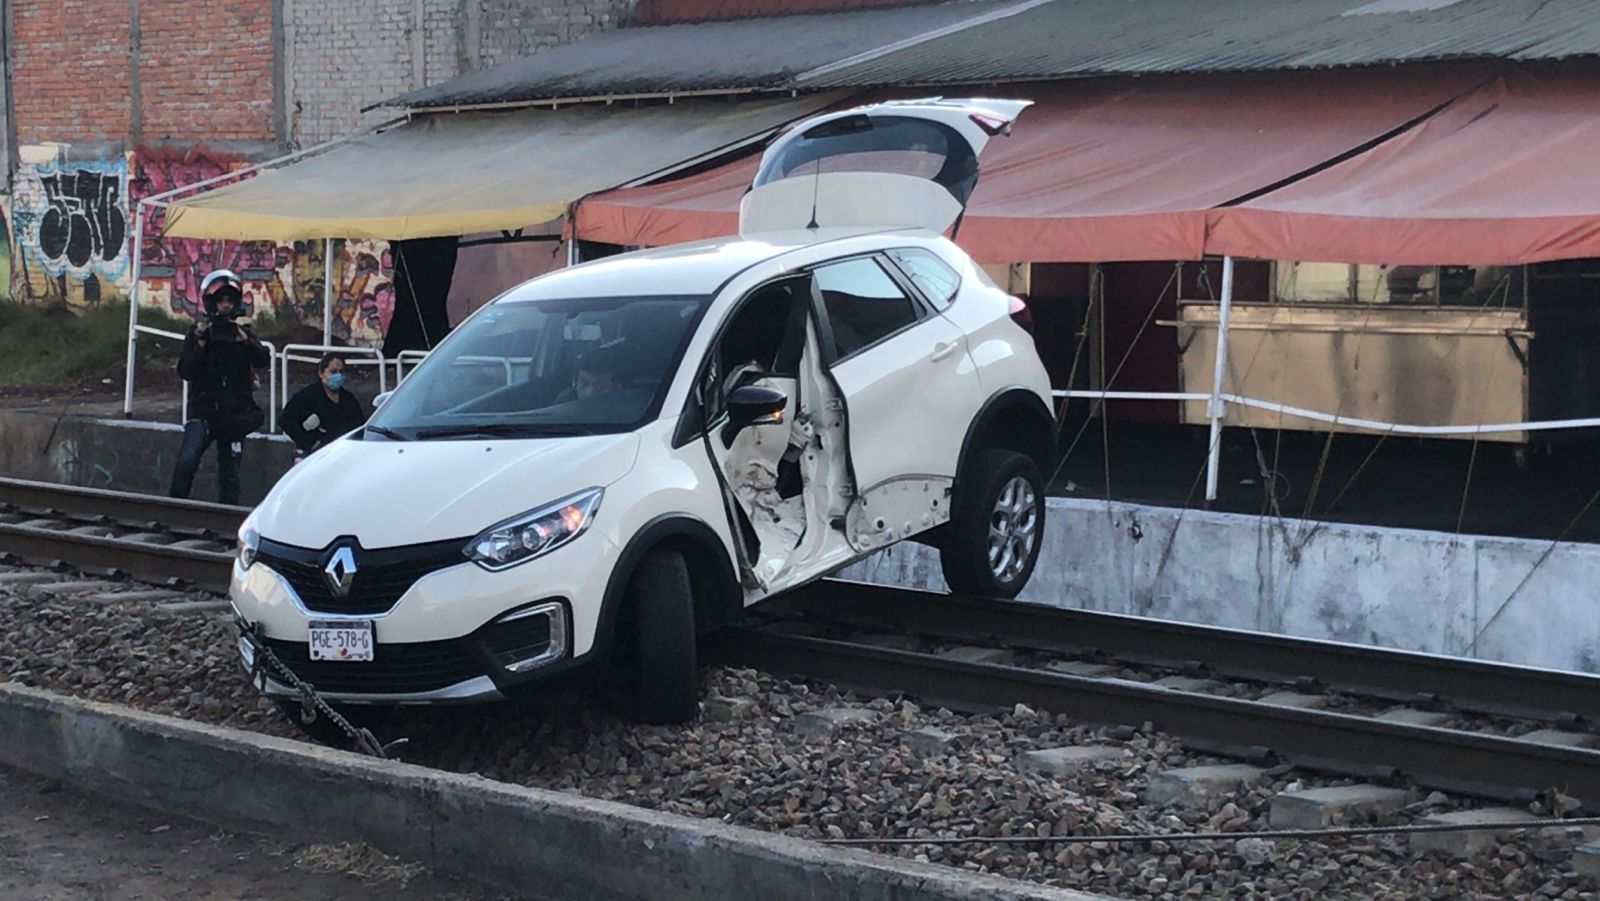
{"x":752,"y":405}
{"x":378,"y":401}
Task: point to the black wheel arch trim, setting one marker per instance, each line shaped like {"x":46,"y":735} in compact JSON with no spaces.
{"x":1008,"y":398}
{"x":658,"y":530}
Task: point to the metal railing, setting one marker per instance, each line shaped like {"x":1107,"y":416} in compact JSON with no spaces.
{"x":1217,"y":402}
{"x":289,"y":355}
{"x":400,"y":361}
{"x":183,"y":409}
{"x":508,"y":363}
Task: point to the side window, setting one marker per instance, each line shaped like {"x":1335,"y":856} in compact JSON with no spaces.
{"x":764,"y":337}
{"x":936,"y":280}
{"x":864,"y":304}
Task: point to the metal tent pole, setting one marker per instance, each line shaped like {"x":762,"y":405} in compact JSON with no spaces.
{"x":1217,"y":408}
{"x":133,"y":309}
{"x":327,"y":290}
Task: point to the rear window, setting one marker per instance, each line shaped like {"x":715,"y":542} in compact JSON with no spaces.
{"x":932,"y":276}
{"x":899,"y":145}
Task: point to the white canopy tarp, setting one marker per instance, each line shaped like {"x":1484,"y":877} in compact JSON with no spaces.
{"x":461,"y":173}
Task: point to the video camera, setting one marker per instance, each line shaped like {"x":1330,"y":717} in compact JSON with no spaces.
{"x":224,"y":326}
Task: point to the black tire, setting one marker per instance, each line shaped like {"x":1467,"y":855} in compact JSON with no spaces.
{"x":964,"y":552}
{"x":323,"y":730}
{"x":664,"y":669}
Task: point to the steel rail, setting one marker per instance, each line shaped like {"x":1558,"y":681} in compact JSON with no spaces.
{"x":1451,"y":760}
{"x":208,"y":570}
{"x":122,"y":506}
{"x":1470,"y":685}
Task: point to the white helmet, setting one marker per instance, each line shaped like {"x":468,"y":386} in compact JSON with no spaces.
{"x":217,"y":282}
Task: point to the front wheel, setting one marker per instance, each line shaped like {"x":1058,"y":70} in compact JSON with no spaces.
{"x":664,"y":668}
{"x":993,"y":541}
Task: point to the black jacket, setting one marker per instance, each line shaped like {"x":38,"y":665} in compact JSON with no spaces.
{"x":334,"y":418}
{"x":219,"y":369}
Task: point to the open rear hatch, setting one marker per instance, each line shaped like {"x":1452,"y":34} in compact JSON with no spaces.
{"x":901,"y":164}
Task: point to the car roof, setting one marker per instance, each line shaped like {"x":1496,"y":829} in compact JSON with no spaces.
{"x":696,"y":268}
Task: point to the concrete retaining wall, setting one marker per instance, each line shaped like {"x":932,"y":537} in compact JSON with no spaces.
{"x":125,"y":455}
{"x":1471,"y":596}
{"x":521,"y":839}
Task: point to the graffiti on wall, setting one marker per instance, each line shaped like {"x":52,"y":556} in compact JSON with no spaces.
{"x":363,"y":291}
{"x":5,"y":249}
{"x":70,"y":226}
{"x":284,"y":281}
{"x":83,"y":222}
{"x":173,"y":268}
{"x":73,"y":231}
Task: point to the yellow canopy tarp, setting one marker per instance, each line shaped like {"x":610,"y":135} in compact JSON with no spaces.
{"x":461,"y":173}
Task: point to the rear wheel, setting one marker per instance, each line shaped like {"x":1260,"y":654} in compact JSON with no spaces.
{"x":664,"y":667}
{"x":993,"y":542}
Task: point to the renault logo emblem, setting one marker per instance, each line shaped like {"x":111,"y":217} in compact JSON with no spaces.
{"x":340,"y":571}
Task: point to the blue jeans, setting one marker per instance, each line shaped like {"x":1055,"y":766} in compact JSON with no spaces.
{"x":197,"y":436}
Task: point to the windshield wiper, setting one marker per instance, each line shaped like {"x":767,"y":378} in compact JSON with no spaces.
{"x":501,"y":430}
{"x":391,"y":434}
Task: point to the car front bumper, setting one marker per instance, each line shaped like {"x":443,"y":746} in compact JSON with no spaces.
{"x":458,"y":635}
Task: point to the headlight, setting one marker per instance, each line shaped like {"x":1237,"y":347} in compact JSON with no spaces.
{"x":536,"y":532}
{"x":249,"y":542}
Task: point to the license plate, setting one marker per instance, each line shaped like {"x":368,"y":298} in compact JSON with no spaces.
{"x":346,"y":642}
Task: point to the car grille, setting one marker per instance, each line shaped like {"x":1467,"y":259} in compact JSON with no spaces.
{"x":394,"y":668}
{"x":382,"y":575}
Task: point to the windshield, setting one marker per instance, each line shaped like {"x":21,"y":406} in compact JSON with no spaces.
{"x":553,"y":367}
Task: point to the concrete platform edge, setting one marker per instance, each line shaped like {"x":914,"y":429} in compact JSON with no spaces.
{"x":513,"y":837}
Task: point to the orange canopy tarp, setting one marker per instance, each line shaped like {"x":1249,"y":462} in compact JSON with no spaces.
{"x":1507,"y":174}
{"x":1109,"y":169}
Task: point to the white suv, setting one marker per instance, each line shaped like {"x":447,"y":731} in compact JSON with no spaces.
{"x":608,"y":460}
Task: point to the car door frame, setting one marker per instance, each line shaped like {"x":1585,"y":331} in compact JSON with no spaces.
{"x":828,"y":348}
{"x":694,"y":427}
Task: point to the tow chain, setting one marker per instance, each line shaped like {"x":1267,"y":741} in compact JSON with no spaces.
{"x":311,"y":703}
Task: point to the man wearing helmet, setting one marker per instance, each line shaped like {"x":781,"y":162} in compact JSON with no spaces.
{"x":217,"y":361}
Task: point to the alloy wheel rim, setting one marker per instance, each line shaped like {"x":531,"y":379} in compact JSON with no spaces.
{"x":1013,"y":529}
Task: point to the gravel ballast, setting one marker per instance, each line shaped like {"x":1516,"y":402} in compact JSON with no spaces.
{"x":810,"y":761}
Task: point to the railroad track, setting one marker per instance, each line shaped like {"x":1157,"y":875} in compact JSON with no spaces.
{"x":1469,"y":727}
{"x":1474,"y":726}
{"x":150,"y":538}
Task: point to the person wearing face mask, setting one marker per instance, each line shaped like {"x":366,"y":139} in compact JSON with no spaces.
{"x":323,"y":410}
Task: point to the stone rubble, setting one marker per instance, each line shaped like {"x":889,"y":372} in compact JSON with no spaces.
{"x":895,"y":769}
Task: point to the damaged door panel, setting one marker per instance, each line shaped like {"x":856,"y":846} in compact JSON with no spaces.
{"x":785,"y":479}
{"x":909,"y":388}
{"x":897,"y":509}
{"x":750,"y":467}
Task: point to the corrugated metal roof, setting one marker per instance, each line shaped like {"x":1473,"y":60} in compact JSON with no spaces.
{"x":668,"y":59}
{"x":1000,"y":40}
{"x":1066,"y":38}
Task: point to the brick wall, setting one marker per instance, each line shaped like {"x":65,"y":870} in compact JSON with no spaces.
{"x":516,"y":28}
{"x":663,"y":12}
{"x":70,"y":67}
{"x":115,"y":100}
{"x":340,"y":60}
{"x":342,"y":57}
{"x":97,"y":133}
{"x":205,"y":69}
